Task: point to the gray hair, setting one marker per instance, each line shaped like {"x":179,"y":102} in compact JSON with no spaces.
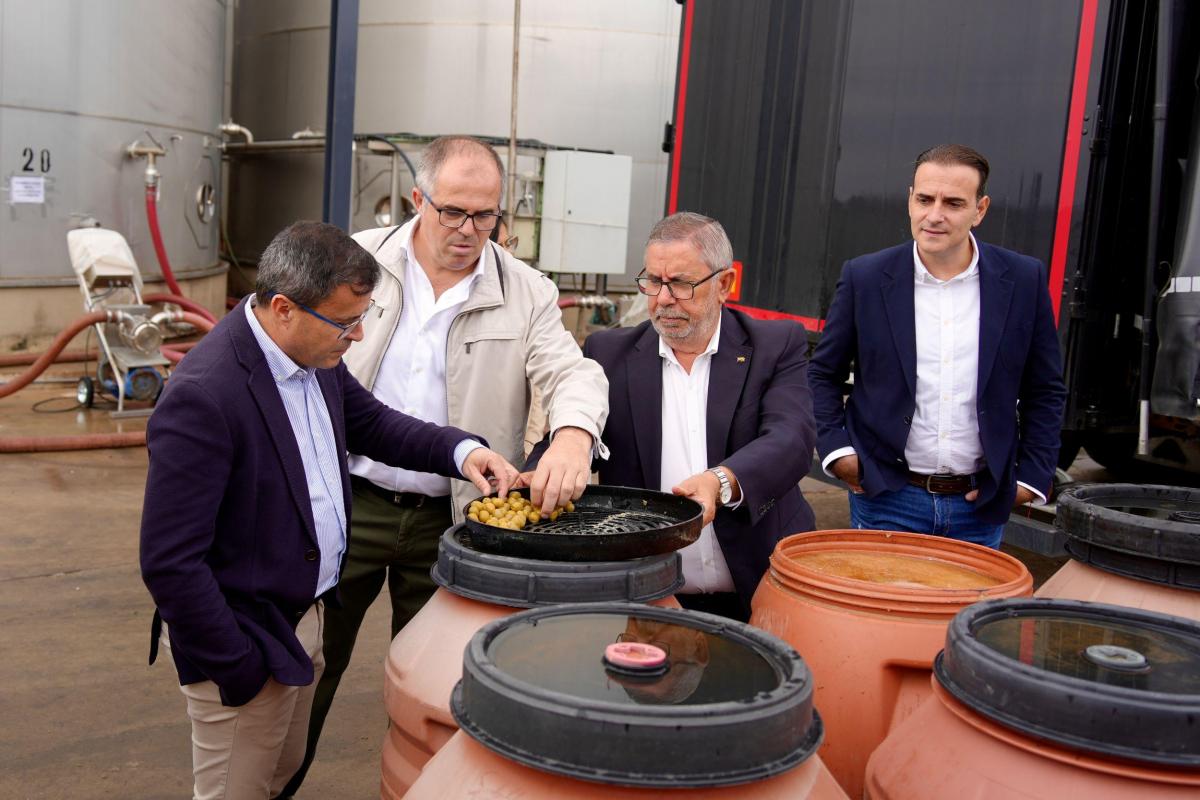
{"x":703,"y":233}
{"x":442,"y":149}
{"x":307,"y":261}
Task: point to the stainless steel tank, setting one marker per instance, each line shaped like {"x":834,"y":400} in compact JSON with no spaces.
{"x":592,"y":75}
{"x":79,"y":82}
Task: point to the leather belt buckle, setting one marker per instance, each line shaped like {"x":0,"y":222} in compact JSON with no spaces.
{"x":943,"y":484}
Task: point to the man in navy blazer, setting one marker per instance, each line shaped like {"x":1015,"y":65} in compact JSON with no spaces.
{"x":248,"y":500}
{"x":707,"y":402}
{"x":957,"y":399}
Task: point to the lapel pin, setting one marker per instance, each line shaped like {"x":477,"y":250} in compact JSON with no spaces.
{"x":741,"y":359}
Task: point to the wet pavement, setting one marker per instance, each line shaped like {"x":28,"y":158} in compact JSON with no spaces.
{"x":84,"y":715}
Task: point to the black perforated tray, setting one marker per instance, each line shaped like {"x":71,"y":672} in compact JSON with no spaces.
{"x":609,"y":523}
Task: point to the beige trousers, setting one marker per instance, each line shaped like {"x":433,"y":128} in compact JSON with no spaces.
{"x":251,"y":751}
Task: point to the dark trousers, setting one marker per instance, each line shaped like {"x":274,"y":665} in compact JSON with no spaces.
{"x":723,"y":604}
{"x":387,"y":542}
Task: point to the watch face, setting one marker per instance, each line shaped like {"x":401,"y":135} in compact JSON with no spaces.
{"x":725,"y":494}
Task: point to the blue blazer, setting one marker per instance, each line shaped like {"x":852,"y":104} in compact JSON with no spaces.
{"x":228,"y":542}
{"x":760,"y":425}
{"x":871,"y":325}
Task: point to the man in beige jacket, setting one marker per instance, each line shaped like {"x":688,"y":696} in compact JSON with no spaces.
{"x":466,"y":331}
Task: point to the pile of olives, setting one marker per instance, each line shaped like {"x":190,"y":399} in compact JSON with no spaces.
{"x":513,"y":512}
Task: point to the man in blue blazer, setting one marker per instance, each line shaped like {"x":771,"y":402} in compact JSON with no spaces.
{"x":957,"y":399}
{"x":248,"y":502}
{"x":706,"y":402}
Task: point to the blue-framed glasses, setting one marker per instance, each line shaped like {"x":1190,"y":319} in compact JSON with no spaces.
{"x":456,"y":218}
{"x":345,"y":328}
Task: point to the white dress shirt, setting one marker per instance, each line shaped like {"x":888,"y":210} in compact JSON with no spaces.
{"x":412,"y":376}
{"x":309,"y":416}
{"x":685,"y":453}
{"x":944,"y":435}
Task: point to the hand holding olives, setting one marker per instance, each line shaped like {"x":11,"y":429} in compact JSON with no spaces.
{"x":513,"y":512}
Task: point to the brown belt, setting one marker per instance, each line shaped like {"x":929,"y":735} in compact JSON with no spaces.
{"x":944,"y":484}
{"x":401,"y":499}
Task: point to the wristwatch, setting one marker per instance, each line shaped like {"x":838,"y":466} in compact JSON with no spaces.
{"x":726,"y":493}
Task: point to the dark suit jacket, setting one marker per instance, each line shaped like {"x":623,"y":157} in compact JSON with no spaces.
{"x":871,"y":325}
{"x":228,"y":542}
{"x":760,"y":425}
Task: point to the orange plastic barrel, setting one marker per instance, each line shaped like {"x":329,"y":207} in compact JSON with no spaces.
{"x":424,"y":660}
{"x":1029,"y":716}
{"x":545,"y":715}
{"x":869,"y":610}
{"x":1130,"y":545}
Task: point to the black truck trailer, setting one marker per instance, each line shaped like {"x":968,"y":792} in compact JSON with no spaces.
{"x":796,"y":124}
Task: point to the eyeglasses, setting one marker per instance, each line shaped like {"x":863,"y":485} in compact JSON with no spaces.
{"x":680,"y":290}
{"x":456,"y":218}
{"x":346,"y":328}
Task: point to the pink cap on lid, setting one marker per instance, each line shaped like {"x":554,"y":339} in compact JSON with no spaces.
{"x":635,"y":655}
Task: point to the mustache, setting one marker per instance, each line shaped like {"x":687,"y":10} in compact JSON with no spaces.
{"x":663,"y":313}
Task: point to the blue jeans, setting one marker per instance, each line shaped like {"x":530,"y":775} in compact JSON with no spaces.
{"x":918,"y":511}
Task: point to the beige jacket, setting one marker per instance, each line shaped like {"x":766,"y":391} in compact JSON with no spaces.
{"x":507,"y":338}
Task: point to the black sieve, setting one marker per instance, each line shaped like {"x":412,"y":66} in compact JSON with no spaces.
{"x":609,"y":523}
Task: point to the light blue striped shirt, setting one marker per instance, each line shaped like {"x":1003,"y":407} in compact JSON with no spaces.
{"x":306,"y":410}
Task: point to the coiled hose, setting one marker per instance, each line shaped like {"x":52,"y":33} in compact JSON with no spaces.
{"x":89,"y":441}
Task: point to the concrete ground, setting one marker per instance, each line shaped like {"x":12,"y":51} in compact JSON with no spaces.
{"x":83,"y":715}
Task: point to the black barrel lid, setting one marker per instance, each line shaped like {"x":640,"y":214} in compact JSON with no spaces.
{"x":1104,"y":679}
{"x":733,"y":705}
{"x":526,"y":583}
{"x":1151,"y":533}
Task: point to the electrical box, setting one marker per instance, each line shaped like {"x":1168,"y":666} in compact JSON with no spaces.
{"x":585,"y":212}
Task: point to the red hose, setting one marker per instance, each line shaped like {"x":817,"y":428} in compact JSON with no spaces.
{"x":56,"y":347}
{"x":155,"y":234}
{"x":568,"y":302}
{"x":182,"y":302}
{"x":197,"y":321}
{"x":23,"y":359}
{"x":88,"y":441}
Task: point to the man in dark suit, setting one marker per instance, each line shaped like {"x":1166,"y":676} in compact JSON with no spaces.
{"x":706,"y":402}
{"x":957,"y":399}
{"x":248,"y":502}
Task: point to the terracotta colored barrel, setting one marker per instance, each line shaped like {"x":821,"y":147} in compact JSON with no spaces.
{"x":869,"y":610}
{"x":425,"y":659}
{"x":545,"y":715}
{"x":1076,"y":728}
{"x":1130,"y":545}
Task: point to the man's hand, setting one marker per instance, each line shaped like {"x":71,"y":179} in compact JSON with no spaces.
{"x":482,"y":464}
{"x":705,"y":489}
{"x":845,"y":469}
{"x":562,"y":473}
{"x":1024,"y":495}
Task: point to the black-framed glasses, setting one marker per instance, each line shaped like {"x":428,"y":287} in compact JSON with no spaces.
{"x":345,"y":328}
{"x":679,"y":289}
{"x":456,"y":217}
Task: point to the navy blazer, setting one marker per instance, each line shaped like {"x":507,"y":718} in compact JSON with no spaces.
{"x":760,"y":425}
{"x":228,"y":542}
{"x":871,"y":324}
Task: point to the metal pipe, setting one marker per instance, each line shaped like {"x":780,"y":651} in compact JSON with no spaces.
{"x":512,"y":127}
{"x":337,"y":190}
{"x":314,"y":144}
{"x":1162,"y":89}
{"x":231,"y":128}
{"x":150,"y":152}
{"x":395,"y":190}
